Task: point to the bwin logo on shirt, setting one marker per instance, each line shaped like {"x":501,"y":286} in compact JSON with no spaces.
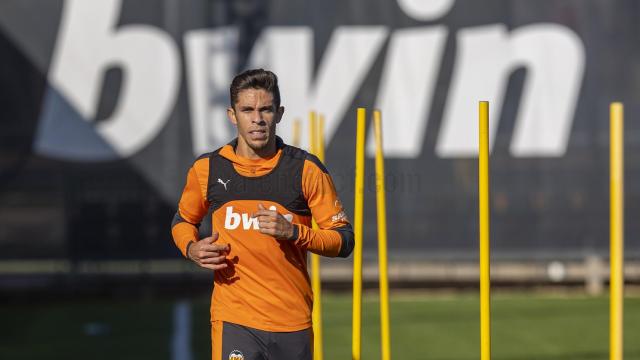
{"x":236,"y":355}
{"x":232,"y":220}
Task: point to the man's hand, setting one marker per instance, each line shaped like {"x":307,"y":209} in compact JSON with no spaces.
{"x":208,"y":254}
{"x":272,"y":223}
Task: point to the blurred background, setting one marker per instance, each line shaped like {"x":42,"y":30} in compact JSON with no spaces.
{"x":105,"y":104}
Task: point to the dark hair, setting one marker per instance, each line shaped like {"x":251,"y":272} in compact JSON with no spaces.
{"x":255,"y":79}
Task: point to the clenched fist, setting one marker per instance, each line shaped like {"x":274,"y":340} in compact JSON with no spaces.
{"x":273,"y":223}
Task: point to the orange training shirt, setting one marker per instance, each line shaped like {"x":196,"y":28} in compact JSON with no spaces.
{"x":266,"y":285}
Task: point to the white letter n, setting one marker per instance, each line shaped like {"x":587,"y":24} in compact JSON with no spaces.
{"x":554,"y":58}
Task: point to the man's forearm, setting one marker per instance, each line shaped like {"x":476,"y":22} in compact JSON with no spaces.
{"x":183,"y":233}
{"x":326,"y":242}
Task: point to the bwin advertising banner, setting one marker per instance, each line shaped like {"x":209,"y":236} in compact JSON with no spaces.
{"x":106,"y":103}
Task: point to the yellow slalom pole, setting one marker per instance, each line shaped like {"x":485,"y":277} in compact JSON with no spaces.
{"x":295,"y":140}
{"x":385,"y":334}
{"x":313,"y":128}
{"x":483,"y":191}
{"x":320,"y":140}
{"x":356,"y":340}
{"x":316,"y":284}
{"x":616,"y":288}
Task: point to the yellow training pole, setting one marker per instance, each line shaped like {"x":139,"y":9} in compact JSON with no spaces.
{"x":320,"y":139}
{"x":385,"y":334}
{"x":315,"y":259}
{"x":316,"y":285}
{"x":295,"y":140}
{"x":483,"y":191}
{"x":357,"y":224}
{"x":616,"y":255}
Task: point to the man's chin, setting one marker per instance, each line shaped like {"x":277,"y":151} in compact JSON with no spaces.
{"x":258,"y":145}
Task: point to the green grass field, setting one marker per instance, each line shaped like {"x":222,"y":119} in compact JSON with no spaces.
{"x":525,"y":326}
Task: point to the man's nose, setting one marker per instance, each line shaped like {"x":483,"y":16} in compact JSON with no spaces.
{"x":257,"y":118}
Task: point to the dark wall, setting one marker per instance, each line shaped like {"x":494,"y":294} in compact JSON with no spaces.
{"x":75,"y":205}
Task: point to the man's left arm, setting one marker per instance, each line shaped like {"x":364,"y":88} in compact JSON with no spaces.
{"x":335,"y":234}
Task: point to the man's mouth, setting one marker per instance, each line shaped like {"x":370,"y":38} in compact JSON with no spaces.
{"x":258,"y":134}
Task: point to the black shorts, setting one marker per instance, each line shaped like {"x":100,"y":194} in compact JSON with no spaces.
{"x":236,"y":342}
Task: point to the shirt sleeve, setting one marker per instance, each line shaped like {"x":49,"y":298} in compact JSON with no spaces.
{"x":192,"y":207}
{"x":335,"y":234}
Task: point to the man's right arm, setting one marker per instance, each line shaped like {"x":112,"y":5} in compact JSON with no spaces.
{"x":192,"y":208}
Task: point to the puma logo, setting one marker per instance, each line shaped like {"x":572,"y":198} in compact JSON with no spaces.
{"x":223,"y":183}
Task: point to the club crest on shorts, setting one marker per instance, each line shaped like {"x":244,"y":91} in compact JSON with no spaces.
{"x":236,"y":355}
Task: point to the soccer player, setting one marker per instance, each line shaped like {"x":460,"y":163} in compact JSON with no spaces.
{"x":263,"y":194}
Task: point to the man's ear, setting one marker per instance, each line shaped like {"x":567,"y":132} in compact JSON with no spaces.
{"x":279,"y":114}
{"x":231,"y":114}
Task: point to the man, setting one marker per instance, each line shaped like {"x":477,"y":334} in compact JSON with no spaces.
{"x":263,"y":194}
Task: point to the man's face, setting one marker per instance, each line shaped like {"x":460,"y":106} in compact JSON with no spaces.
{"x":255,"y":116}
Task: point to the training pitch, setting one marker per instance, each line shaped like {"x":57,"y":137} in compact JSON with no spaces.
{"x":423,"y":326}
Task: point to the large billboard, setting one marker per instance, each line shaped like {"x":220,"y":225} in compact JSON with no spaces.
{"x":105,"y":104}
